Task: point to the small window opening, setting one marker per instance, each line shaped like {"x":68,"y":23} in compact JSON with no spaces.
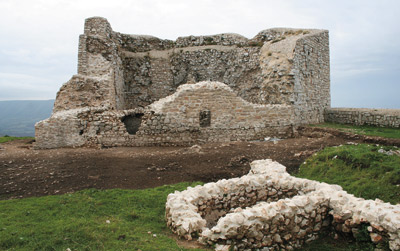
{"x":205,"y":118}
{"x":132,"y":122}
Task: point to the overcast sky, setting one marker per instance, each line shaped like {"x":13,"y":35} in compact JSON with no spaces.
{"x":39,"y":38}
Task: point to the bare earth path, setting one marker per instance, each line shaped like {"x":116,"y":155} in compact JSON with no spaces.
{"x":25,"y":172}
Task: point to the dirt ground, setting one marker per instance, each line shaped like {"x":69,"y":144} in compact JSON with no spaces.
{"x":25,"y":172}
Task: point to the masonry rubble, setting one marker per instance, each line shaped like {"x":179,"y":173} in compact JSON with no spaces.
{"x":134,"y":90}
{"x":389,"y":152}
{"x":268,"y":209}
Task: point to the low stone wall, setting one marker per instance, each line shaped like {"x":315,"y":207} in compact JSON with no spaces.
{"x":268,"y":208}
{"x":195,"y":113}
{"x":362,"y":116}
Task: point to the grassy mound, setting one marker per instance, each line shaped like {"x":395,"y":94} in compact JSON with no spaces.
{"x":367,"y":171}
{"x":89,"y":220}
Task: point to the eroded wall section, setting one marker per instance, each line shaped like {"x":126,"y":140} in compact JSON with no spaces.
{"x":195,"y":113}
{"x":99,"y":82}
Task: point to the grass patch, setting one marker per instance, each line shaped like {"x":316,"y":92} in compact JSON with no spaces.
{"x":363,"y":170}
{"x":89,"y":220}
{"x":7,"y":138}
{"x":364,"y":130}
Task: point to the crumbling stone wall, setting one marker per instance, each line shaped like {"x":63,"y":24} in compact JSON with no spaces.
{"x":63,"y":129}
{"x":99,"y":82}
{"x":286,"y":70}
{"x":174,"y":120}
{"x":261,"y":70}
{"x":363,"y":116}
{"x":268,"y":208}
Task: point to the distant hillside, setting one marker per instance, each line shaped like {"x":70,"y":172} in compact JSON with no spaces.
{"x":18,"y":118}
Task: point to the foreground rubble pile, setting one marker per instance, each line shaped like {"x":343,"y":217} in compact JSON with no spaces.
{"x":268,"y":208}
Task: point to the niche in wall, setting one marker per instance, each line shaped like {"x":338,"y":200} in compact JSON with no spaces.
{"x":205,"y":118}
{"x":132,"y":122}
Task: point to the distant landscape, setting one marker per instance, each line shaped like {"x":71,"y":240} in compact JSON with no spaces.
{"x":18,"y":117}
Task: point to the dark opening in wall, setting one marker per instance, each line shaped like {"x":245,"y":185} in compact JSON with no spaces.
{"x":132,"y":122}
{"x":205,"y":118}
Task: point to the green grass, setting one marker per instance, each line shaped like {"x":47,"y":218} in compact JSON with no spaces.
{"x":79,"y":221}
{"x":360,"y":169}
{"x":7,"y":138}
{"x":364,"y":130}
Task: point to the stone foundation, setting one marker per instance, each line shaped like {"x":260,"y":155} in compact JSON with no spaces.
{"x":268,"y":208}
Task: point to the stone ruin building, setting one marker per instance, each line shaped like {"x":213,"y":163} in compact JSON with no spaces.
{"x":134,"y":90}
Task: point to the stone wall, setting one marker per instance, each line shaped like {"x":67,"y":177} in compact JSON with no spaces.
{"x":281,"y":77}
{"x":99,"y":82}
{"x":278,"y":66}
{"x":312,"y":72}
{"x":63,"y":129}
{"x":362,"y":116}
{"x":195,"y":113}
{"x":270,"y":209}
